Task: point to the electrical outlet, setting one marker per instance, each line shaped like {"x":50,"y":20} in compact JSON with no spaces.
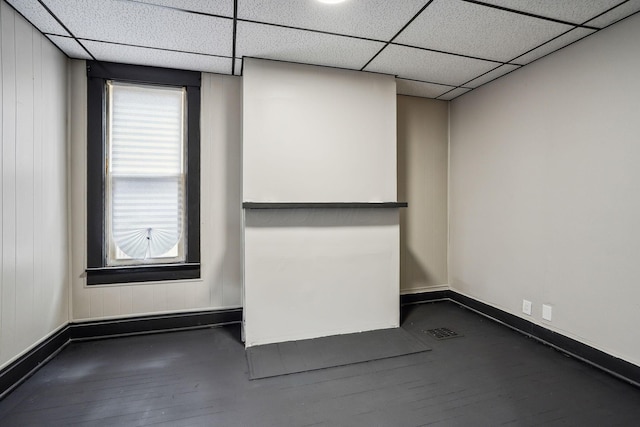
{"x":546,"y":312}
{"x":526,"y":307}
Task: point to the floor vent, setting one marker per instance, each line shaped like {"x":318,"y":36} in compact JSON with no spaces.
{"x":443,"y":333}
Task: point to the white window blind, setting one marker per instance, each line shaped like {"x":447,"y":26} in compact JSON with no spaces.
{"x":145,"y":174}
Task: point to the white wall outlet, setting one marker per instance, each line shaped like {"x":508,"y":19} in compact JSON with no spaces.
{"x":546,"y":312}
{"x":526,"y":307}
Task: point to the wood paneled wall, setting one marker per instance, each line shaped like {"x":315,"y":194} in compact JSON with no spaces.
{"x":33,"y":186}
{"x":220,"y":211}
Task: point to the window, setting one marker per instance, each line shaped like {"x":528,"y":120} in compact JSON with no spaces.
{"x":143,"y":174}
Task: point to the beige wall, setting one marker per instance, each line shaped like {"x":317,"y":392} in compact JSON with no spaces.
{"x":545,"y":188}
{"x":220,"y":285}
{"x":422,"y":181}
{"x":33,"y":186}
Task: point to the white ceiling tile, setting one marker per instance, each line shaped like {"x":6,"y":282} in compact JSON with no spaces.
{"x":576,"y":11}
{"x":554,"y":45}
{"x":374,"y":19}
{"x":70,"y":47}
{"x":423,"y":89}
{"x":158,"y":58}
{"x":424,"y":65}
{"x":491,"y":75}
{"x":144,"y":25}
{"x":217,"y":7}
{"x":454,"y":93}
{"x":620,"y":12}
{"x":308,"y":47}
{"x":470,"y":29}
{"x":38,"y":16}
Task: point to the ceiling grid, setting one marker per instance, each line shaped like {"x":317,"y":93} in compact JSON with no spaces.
{"x":436,"y":48}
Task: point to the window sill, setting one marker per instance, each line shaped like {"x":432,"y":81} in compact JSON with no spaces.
{"x":142,"y":273}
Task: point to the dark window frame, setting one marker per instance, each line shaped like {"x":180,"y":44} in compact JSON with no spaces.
{"x":97,"y":271}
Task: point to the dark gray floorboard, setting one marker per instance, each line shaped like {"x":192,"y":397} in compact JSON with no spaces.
{"x":492,"y":376}
{"x":271,"y":360}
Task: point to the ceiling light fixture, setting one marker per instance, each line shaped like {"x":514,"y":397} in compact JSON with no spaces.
{"x":331,"y":1}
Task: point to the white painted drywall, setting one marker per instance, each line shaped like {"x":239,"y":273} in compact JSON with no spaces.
{"x":220,"y":202}
{"x":322,"y":135}
{"x":545,"y":185}
{"x":319,"y":272}
{"x":317,"y":134}
{"x":423,"y":144}
{"x":33,"y":187}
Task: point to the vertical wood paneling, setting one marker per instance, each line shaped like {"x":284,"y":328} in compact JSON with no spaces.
{"x":422,"y":181}
{"x":231,"y":132}
{"x":55,"y":179}
{"x":126,"y":300}
{"x":160,"y":297}
{"x":111,"y":302}
{"x":33,"y":213}
{"x":141,"y":298}
{"x":39,"y":294}
{"x":57,"y":101}
{"x":222,"y":150}
{"x":97,"y":303}
{"x":1,"y":177}
{"x":24,"y":183}
{"x":175,"y":293}
{"x":211,"y":221}
{"x":8,"y":183}
{"x":81,"y":306}
{"x":202,"y":294}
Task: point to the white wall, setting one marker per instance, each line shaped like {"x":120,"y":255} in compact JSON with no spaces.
{"x":220,"y":228}
{"x":317,"y":134}
{"x":318,"y":272}
{"x":322,"y":135}
{"x":423,"y":150}
{"x":545,"y":185}
{"x":33,"y":186}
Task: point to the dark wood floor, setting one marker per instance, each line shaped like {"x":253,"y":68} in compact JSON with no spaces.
{"x":490,"y":376}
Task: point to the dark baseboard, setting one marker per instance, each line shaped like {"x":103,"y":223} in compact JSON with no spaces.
{"x":26,"y":365}
{"x":21,"y":369}
{"x":153,"y":323}
{"x":597,"y":358}
{"x":418,"y":298}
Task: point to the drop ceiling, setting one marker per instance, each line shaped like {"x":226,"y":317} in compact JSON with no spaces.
{"x":436,"y":48}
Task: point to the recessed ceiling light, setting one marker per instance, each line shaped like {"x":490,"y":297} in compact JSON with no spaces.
{"x":331,"y":1}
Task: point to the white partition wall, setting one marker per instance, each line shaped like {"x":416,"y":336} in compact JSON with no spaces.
{"x":318,"y":272}
{"x":318,"y":135}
